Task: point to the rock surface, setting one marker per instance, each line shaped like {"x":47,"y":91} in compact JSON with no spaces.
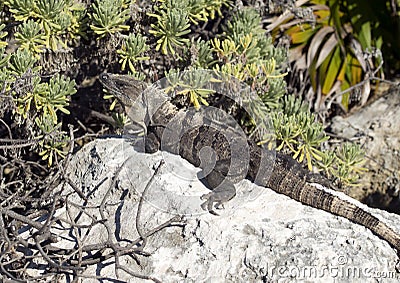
{"x":377,"y":128}
{"x":260,"y":236}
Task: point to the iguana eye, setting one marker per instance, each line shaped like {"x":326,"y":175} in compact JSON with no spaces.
{"x":104,"y":77}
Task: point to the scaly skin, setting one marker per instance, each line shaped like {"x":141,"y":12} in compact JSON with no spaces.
{"x":231,"y":160}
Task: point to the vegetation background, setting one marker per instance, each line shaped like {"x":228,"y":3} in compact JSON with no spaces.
{"x":308,"y":60}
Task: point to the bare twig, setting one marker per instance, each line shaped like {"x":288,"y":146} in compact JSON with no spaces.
{"x":140,"y":205}
{"x":72,"y":261}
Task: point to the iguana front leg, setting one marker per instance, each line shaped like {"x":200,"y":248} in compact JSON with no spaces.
{"x":223,"y":190}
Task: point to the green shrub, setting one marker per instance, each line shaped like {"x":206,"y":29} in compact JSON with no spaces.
{"x":171,"y":26}
{"x":36,"y":103}
{"x":109,"y":17}
{"x":131,"y":38}
{"x":47,"y":23}
{"x":132,"y":51}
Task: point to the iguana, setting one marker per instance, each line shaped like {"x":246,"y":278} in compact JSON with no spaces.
{"x":232,"y":157}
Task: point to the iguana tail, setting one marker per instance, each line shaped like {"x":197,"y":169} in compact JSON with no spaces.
{"x":321,"y":199}
{"x":287,"y":177}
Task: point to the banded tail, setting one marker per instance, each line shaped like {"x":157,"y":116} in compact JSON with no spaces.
{"x":285,"y":175}
{"x":292,"y":185}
